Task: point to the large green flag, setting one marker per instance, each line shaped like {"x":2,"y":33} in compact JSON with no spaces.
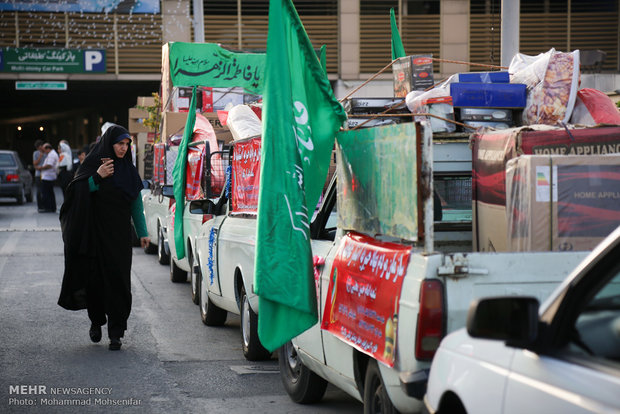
{"x":178,"y":176}
{"x":300,"y":119}
{"x":398,"y":50}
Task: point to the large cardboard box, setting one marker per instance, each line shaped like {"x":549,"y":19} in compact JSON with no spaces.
{"x":135,"y":122}
{"x":144,"y":154}
{"x":412,"y":73}
{"x":560,"y":202}
{"x":172,"y":123}
{"x":145,"y":101}
{"x":492,"y":150}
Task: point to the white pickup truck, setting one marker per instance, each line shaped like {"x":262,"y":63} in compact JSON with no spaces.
{"x":384,"y":304}
{"x":224,"y":249}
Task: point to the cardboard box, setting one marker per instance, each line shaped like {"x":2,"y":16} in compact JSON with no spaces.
{"x":172,"y":123}
{"x":412,"y":73}
{"x":135,"y":123}
{"x":145,"y":101}
{"x":561,"y":202}
{"x":488,"y":95}
{"x":491,"y":150}
{"x":144,"y":154}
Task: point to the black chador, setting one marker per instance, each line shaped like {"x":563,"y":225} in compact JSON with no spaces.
{"x":96,"y":230}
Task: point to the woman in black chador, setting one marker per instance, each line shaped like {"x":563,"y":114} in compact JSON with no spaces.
{"x":96,"y":228}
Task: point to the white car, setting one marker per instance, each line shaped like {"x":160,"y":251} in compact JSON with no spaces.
{"x":514,"y":359}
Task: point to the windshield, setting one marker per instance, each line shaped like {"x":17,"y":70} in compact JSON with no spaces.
{"x":7,"y":160}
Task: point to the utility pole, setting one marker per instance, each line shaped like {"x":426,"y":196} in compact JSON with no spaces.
{"x":199,"y":22}
{"x":510,"y":30}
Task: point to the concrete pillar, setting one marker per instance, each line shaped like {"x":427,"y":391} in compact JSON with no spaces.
{"x":176,"y":21}
{"x":454,"y":36}
{"x":510,"y":30}
{"x":349,"y":39}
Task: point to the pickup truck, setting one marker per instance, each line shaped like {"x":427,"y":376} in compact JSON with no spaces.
{"x":387,"y":293}
{"x":207,"y":169}
{"x":225,"y":246}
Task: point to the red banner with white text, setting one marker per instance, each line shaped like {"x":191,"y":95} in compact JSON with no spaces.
{"x":195,"y":160}
{"x":246,"y":175}
{"x":364,"y":291}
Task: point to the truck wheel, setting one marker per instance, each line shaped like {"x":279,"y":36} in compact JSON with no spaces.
{"x":193,"y":277}
{"x":210,"y":314}
{"x":163,"y":257}
{"x":177,"y":275}
{"x":376,"y":399}
{"x":301,"y":384}
{"x":253,"y":350}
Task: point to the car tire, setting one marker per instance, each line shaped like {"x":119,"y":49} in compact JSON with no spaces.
{"x":253,"y":350}
{"x":163,"y":257}
{"x":376,"y":398}
{"x":177,"y":275}
{"x":301,"y":384}
{"x":20,"y":196}
{"x":210,"y":314}
{"x":193,"y":278}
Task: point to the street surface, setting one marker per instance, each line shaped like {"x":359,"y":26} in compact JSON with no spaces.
{"x":169,"y":362}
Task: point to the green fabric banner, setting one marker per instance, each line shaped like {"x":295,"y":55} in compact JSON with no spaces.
{"x":207,"y":64}
{"x":300,"y":119}
{"x":398,"y":50}
{"x":376,"y":196}
{"x":179,"y":178}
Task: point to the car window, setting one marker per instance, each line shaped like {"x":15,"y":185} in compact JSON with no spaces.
{"x":597,"y":327}
{"x":7,"y":160}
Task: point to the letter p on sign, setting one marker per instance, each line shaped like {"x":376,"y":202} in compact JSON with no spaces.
{"x":94,"y":60}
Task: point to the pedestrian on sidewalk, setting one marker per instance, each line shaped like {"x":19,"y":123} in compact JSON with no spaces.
{"x":96,"y":228}
{"x":38,"y":157}
{"x":48,"y":178}
{"x":65,"y":165}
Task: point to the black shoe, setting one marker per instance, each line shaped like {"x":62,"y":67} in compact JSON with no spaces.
{"x":115,"y":344}
{"x":95,"y":333}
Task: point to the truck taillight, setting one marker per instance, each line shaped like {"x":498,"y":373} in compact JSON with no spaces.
{"x":12,"y":178}
{"x":430,"y":328}
{"x":206,"y":217}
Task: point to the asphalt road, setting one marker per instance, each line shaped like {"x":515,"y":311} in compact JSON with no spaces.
{"x":169,"y":363}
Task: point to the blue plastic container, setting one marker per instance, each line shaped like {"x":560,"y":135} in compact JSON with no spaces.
{"x":484,"y":77}
{"x":488,"y":95}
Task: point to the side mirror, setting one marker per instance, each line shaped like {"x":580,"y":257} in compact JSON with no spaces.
{"x":201,"y":207}
{"x":511,"y":319}
{"x":167,"y":191}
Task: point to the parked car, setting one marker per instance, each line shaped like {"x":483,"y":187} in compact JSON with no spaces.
{"x":513,"y":358}
{"x":15,"y":179}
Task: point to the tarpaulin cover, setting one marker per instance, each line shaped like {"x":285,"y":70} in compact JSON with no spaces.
{"x":203,"y":131}
{"x":363,"y":295}
{"x":377,"y":176}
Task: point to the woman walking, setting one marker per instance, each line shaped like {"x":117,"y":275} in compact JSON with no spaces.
{"x":96,"y":228}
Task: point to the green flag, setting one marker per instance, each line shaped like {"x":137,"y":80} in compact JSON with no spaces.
{"x":300,"y":119}
{"x":178,"y":176}
{"x":398,"y":50}
{"x":323,"y":57}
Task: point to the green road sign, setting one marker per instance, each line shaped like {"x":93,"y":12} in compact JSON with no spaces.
{"x":52,"y":86}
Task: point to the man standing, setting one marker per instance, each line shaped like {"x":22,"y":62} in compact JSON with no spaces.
{"x":38,"y":157}
{"x":48,"y":178}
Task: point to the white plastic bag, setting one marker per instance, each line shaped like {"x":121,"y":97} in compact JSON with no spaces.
{"x":243,"y":122}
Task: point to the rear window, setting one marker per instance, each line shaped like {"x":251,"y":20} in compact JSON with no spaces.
{"x":7,"y":160}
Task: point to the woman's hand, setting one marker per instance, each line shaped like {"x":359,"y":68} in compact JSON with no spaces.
{"x":144,"y":242}
{"x":107,"y":168}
